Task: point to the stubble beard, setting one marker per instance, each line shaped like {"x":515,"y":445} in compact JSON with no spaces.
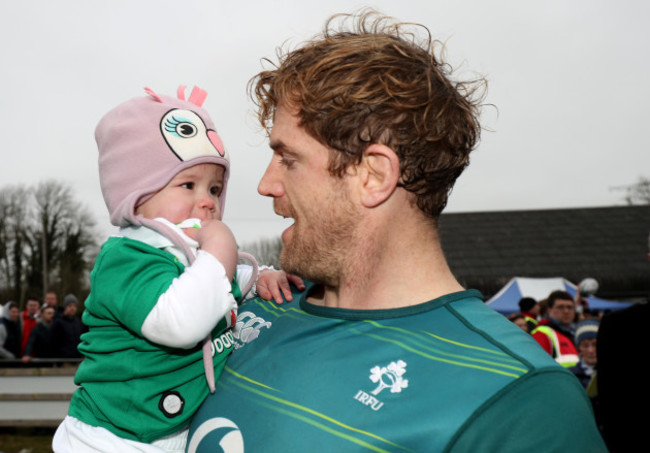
{"x":319,"y":251}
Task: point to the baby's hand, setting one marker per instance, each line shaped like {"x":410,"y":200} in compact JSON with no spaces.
{"x":216,"y":238}
{"x":272,"y":284}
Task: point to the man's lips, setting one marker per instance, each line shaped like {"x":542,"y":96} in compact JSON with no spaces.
{"x":286,"y":234}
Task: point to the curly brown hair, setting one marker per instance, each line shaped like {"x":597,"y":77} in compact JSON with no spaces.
{"x":375,"y":83}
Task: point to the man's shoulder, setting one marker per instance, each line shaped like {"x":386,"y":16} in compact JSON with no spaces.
{"x":501,"y":334}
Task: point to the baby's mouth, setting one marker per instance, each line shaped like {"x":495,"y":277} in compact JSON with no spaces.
{"x":190,"y":223}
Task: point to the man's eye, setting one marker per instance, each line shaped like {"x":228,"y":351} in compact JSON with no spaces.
{"x":287,"y":162}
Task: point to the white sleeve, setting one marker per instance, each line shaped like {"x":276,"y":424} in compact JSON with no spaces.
{"x":244,"y":274}
{"x":192,"y":306}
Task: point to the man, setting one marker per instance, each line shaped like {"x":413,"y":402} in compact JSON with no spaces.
{"x":29,"y":317}
{"x":66,"y":331}
{"x":52,"y":300}
{"x":555,"y":332}
{"x":385,"y":351}
{"x":40,"y":343}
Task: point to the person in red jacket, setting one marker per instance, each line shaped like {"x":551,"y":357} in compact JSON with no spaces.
{"x":555,"y":332}
{"x":29,"y":318}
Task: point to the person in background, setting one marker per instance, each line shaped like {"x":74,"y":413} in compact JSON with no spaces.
{"x":555,"y":332}
{"x":39,"y":344}
{"x":66,"y":331}
{"x":582,"y":308}
{"x":10,"y":331}
{"x":593,"y":314}
{"x":519,"y":320}
{"x":29,"y":318}
{"x":52,"y":300}
{"x":529,"y":309}
{"x":585,"y":340}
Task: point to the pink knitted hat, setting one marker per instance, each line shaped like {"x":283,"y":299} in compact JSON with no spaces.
{"x":145,"y":142}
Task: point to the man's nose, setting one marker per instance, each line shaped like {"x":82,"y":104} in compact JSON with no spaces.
{"x":270,"y":185}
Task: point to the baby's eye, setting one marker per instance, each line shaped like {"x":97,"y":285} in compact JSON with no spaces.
{"x":188,"y":185}
{"x":215,"y":190}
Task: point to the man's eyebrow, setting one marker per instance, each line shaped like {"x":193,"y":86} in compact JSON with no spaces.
{"x":277,"y":145}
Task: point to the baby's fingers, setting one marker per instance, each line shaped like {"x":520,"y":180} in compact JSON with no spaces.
{"x":297,"y":281}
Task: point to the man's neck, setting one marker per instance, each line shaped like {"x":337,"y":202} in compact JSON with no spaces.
{"x":397,"y":269}
{"x":558,"y":324}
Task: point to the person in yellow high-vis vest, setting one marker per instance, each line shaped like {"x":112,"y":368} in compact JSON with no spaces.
{"x":554,"y":333}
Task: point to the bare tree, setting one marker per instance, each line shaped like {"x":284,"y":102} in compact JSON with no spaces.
{"x":14,"y":202}
{"x":637,"y":193}
{"x":266,"y":251}
{"x":62,"y":235}
{"x":50,"y":241}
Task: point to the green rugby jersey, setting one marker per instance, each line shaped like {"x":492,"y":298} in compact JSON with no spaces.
{"x":135,"y":388}
{"x":449,"y":375}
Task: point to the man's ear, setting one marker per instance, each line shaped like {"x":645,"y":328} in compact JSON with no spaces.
{"x":379,"y":174}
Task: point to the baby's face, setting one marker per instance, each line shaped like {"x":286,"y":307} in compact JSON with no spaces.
{"x":192,"y":193}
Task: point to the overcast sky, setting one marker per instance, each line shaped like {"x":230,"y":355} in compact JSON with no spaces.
{"x":569,"y":80}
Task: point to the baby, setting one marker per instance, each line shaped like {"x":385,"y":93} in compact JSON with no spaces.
{"x":165,"y":286}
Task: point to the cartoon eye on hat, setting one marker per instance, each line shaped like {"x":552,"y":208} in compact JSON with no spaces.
{"x":188,"y":137}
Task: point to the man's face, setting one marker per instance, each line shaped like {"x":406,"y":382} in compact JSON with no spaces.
{"x":32,"y":307}
{"x":50,"y":299}
{"x":47,"y":315}
{"x":70,"y":310}
{"x":14,"y":313}
{"x":303,"y":189}
{"x":563,"y":311}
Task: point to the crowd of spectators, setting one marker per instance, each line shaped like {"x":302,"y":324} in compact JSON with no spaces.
{"x":49,"y":331}
{"x":601,"y":359}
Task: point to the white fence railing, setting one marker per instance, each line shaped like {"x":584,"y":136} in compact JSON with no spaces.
{"x":35,"y":396}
